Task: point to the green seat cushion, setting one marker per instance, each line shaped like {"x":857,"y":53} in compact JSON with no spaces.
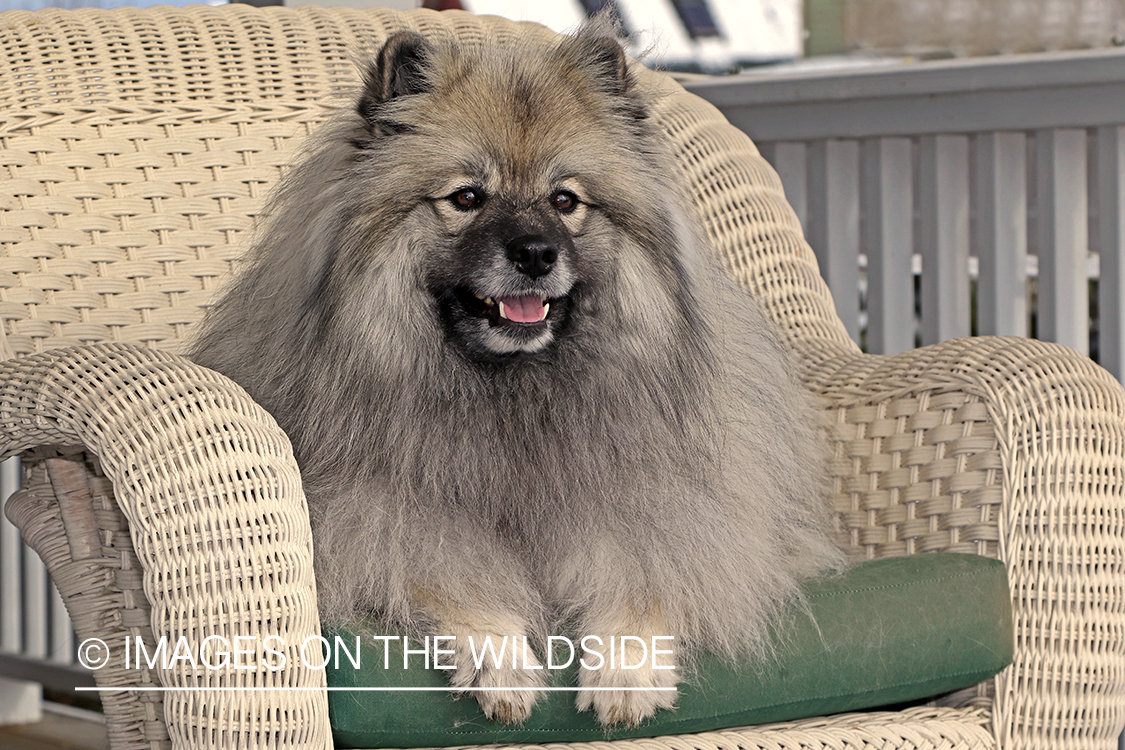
{"x":886,"y":631}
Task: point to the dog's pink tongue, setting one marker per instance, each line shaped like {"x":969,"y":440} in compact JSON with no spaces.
{"x":526,"y":309}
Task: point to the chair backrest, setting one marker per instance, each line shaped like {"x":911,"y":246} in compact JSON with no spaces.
{"x":137,"y":145}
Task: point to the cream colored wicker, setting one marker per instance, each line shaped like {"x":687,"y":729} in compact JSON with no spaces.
{"x":135,"y":149}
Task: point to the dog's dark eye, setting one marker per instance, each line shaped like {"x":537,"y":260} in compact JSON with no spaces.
{"x":565,"y":201}
{"x":467,"y":198}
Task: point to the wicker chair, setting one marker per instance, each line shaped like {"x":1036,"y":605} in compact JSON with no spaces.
{"x":135,"y":149}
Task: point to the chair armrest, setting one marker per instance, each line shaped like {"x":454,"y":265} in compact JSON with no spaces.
{"x":217,"y":517}
{"x":1014,"y":448}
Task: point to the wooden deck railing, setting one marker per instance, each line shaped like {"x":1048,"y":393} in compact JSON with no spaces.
{"x":998,"y":179}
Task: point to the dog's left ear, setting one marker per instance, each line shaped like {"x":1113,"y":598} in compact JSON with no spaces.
{"x":604,"y":59}
{"x":400,"y":69}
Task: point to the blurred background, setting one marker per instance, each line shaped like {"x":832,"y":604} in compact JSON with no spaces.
{"x":719,"y":36}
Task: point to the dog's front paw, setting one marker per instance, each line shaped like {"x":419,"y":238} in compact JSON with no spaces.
{"x":505,"y":693}
{"x":653,"y":689}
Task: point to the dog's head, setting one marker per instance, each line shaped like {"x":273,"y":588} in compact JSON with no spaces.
{"x":524,"y":180}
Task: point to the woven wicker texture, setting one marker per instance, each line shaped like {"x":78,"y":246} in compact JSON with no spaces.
{"x":1059,"y":423}
{"x":218,"y":522}
{"x":914,"y":729}
{"x":118,"y":223}
{"x":71,"y":520}
{"x":135,"y":149}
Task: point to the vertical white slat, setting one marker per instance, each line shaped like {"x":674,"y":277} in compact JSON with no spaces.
{"x":789,"y":160}
{"x":36,"y":620}
{"x":11,"y":596}
{"x":887,"y":201}
{"x":1061,"y":229}
{"x":1111,"y":249}
{"x":943,"y":201}
{"x":833,"y":223}
{"x":1000,"y":236}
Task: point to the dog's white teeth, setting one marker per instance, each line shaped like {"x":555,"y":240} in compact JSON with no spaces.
{"x":546,"y":308}
{"x":488,"y":301}
{"x":503,"y":311}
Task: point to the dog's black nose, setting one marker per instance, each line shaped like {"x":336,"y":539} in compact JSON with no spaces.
{"x":533,"y":254}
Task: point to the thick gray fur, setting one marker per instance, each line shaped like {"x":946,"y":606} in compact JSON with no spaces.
{"x":658,"y":457}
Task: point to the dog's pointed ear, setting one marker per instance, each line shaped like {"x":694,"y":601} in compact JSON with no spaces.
{"x":400,"y":69}
{"x":604,"y":59}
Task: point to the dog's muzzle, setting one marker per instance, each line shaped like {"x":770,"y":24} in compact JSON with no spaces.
{"x":517,"y":297}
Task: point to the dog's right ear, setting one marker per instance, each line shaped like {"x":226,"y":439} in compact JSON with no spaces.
{"x":400,"y":69}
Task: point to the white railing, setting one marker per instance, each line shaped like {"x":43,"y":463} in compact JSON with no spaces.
{"x":1001,"y":177}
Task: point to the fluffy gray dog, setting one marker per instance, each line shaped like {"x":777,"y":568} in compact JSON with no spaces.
{"x":521,"y":393}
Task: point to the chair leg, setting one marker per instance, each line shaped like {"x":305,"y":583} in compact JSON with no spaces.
{"x":67,"y":514}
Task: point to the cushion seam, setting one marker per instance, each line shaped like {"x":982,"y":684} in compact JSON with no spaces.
{"x":821,"y":594}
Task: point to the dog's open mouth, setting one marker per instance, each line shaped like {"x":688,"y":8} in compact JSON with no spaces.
{"x":528,"y":310}
{"x":501,"y":325}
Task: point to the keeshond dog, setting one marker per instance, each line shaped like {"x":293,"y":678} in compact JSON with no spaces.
{"x":522,"y":395}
